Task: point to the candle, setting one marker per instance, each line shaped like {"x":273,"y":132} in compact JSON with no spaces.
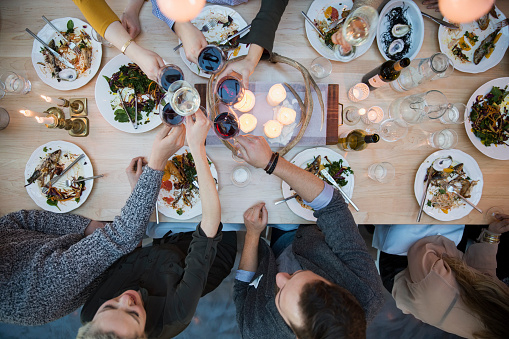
{"x":50,"y":120}
{"x":272,"y":128}
{"x":276,"y":95}
{"x":58,"y":102}
{"x":286,"y":115}
{"x":371,"y":115}
{"x":29,"y":113}
{"x":247,"y":122}
{"x":374,"y":115}
{"x":247,"y":103}
{"x":358,"y":92}
{"x":362,"y":111}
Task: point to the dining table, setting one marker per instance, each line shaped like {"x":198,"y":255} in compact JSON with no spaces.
{"x":111,"y":150}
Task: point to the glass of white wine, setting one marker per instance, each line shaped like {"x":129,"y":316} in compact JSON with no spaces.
{"x":185,"y":99}
{"x":358,"y":27}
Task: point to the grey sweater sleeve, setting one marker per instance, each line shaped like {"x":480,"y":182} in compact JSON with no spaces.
{"x":343,"y":237}
{"x":44,"y":222}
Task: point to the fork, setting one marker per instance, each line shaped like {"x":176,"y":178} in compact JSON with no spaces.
{"x":331,"y":47}
{"x":45,"y":189}
{"x":71,"y":44}
{"x":70,"y":182}
{"x":205,"y":28}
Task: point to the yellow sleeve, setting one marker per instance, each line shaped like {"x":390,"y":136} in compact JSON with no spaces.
{"x":98,"y":14}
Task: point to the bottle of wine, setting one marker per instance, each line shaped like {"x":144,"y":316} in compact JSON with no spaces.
{"x":356,"y":140}
{"x":387,"y":72}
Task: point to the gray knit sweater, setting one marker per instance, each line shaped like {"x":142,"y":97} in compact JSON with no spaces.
{"x":48,"y":268}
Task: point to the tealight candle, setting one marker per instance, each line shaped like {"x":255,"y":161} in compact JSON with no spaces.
{"x":362,"y":111}
{"x":286,"y":115}
{"x":358,"y":92}
{"x":276,"y":95}
{"x":374,"y":115}
{"x":272,"y":128}
{"x":46,"y":120}
{"x":247,"y":122}
{"x":247,"y":103}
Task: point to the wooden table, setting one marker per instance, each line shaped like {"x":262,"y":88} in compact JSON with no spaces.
{"x":111,"y":150}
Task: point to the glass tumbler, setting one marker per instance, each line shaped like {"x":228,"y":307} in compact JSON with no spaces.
{"x":443,"y":139}
{"x":320,"y":68}
{"x":393,"y":129}
{"x":454,"y":114}
{"x":414,"y":109}
{"x":11,"y":82}
{"x":382,"y":172}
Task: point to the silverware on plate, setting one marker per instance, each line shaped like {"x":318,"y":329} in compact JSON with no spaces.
{"x":439,"y":21}
{"x":331,"y":47}
{"x":205,"y":28}
{"x":286,"y":199}
{"x":71,"y":44}
{"x":55,"y":53}
{"x":451,"y":188}
{"x":245,"y":29}
{"x":45,"y":189}
{"x":333,"y":182}
{"x":135,"y":126}
{"x":70,"y":182}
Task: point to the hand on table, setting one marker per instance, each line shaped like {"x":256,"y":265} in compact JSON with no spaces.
{"x":168,"y":141}
{"x":431,"y":4}
{"x":193,"y":40}
{"x":255,"y":219}
{"x":131,"y":21}
{"x":501,"y":225}
{"x":197,"y":129}
{"x":134,"y":170}
{"x":255,"y":150}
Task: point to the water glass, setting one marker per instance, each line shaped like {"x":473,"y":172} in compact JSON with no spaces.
{"x":393,"y":129}
{"x":4,"y":118}
{"x":11,"y":82}
{"x":320,"y":68}
{"x":414,"y":109}
{"x":382,"y":172}
{"x":443,"y":139}
{"x":351,"y":115}
{"x":454,"y":114}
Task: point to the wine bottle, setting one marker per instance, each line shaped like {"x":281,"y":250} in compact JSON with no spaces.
{"x":387,"y":72}
{"x":356,"y":140}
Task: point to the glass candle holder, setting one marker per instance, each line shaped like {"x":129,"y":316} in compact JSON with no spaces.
{"x":374,"y":115}
{"x":358,"y":92}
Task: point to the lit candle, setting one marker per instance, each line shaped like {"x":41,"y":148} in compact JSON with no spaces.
{"x":247,"y":103}
{"x":362,"y":111}
{"x":371,"y":115}
{"x":276,"y":95}
{"x":358,"y":92}
{"x":286,"y":115}
{"x":374,"y":115}
{"x":58,"y":102}
{"x":46,"y":120}
{"x":272,"y":128}
{"x":248,"y":122}
{"x":29,"y":113}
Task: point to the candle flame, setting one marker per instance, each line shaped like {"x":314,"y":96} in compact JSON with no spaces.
{"x":362,"y":111}
{"x":26,"y":113}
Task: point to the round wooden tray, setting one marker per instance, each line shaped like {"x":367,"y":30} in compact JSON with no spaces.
{"x":306,"y":106}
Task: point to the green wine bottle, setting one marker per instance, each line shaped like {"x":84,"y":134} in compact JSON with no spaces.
{"x":356,"y":140}
{"x":387,"y":72}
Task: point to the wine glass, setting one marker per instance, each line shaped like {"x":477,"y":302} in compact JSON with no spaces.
{"x":227,"y":127}
{"x":168,"y":74}
{"x":168,"y":114}
{"x":358,"y":27}
{"x":184,"y":98}
{"x":230,"y":89}
{"x":211,"y":59}
{"x":489,"y":217}
{"x":393,"y":129}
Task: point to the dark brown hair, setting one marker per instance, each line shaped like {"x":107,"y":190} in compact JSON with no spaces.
{"x":329,"y":312}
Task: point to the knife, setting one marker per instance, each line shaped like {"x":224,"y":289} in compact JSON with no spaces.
{"x":135,"y":126}
{"x":245,"y":29}
{"x":335,"y":24}
{"x":313,"y":25}
{"x":55,"y":53}
{"x":55,"y":179}
{"x":71,"y":44}
{"x":329,"y":178}
{"x":425,"y":193}
{"x":286,"y":199}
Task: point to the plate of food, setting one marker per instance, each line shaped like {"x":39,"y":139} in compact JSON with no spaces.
{"x":87,"y":62}
{"x":458,"y":169}
{"x":49,"y":160}
{"x":226,"y":22}
{"x":400,"y":30}
{"x":487,"y":118}
{"x":324,"y":13}
{"x":314,"y":160}
{"x":179,"y":198}
{"x":122,"y":76}
{"x":477,"y":46}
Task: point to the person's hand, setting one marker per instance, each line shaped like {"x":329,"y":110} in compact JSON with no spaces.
{"x":246,"y":66}
{"x":149,"y":62}
{"x":501,"y":225}
{"x":431,"y":4}
{"x":131,"y":20}
{"x":134,"y":170}
{"x":193,"y":40}
{"x":197,"y":127}
{"x":338,"y":39}
{"x":255,"y":219}
{"x":254,"y":150}
{"x":168,"y":141}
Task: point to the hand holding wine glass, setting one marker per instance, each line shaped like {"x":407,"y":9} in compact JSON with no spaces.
{"x":255,"y":150}
{"x":197,"y":126}
{"x":500,"y":225}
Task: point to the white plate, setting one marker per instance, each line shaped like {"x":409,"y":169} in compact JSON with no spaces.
{"x":470,"y":167}
{"x":414,"y":19}
{"x":445,"y":35}
{"x":316,"y":11}
{"x":46,"y":34}
{"x":104,"y":97}
{"x":82,"y":168}
{"x":500,"y":152}
{"x":189,"y":212}
{"x":302,"y":159}
{"x":202,"y":18}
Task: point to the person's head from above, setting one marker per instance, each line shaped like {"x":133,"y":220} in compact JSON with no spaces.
{"x":123,"y":317}
{"x":314,"y":307}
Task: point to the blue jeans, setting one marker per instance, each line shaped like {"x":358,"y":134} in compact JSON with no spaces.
{"x":280,"y":240}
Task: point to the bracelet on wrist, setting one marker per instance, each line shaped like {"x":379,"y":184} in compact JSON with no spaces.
{"x":274,"y":163}
{"x":488,"y":237}
{"x":127,"y":44}
{"x":270,"y":162}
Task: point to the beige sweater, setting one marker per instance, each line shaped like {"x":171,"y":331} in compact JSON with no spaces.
{"x":427,"y":288}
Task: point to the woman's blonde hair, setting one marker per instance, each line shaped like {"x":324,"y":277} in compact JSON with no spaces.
{"x":88,"y":331}
{"x":485,"y":296}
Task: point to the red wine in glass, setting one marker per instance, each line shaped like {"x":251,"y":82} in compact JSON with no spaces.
{"x":169,"y":74}
{"x":211,"y":59}
{"x":230,"y":90}
{"x":226,"y":125}
{"x":170,"y":117}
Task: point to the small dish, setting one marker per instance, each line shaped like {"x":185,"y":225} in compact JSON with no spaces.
{"x":241,"y":176}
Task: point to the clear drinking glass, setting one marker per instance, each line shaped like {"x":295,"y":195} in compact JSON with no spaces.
{"x":98,"y":38}
{"x":454,"y":114}
{"x":11,"y":82}
{"x":489,"y":217}
{"x":4,"y":118}
{"x":393,"y":129}
{"x":184,"y":98}
{"x":382,"y":172}
{"x":443,"y":139}
{"x":168,"y":74}
{"x":415,"y":108}
{"x":351,"y":115}
{"x":320,"y":68}
{"x":356,"y":30}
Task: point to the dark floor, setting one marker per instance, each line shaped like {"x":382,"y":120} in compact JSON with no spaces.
{"x":215,"y":318}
